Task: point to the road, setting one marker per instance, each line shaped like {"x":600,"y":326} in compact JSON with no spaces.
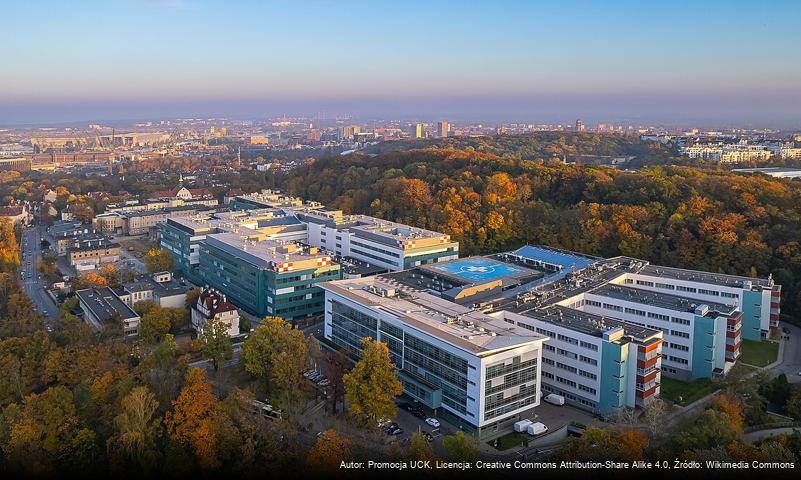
{"x":790,"y":363}
{"x":760,"y":434}
{"x":34,"y":285}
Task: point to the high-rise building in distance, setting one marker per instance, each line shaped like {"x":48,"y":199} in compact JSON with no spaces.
{"x":417,"y":130}
{"x":443,"y":128}
{"x":579,"y":125}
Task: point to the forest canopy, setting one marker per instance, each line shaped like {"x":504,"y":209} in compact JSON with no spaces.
{"x":704,"y":219}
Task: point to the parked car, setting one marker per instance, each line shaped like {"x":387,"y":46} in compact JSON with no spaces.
{"x":433,"y":422}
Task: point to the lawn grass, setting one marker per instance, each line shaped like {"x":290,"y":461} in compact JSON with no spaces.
{"x":738,"y":371}
{"x":758,"y":354}
{"x":684,"y":393}
{"x":511,"y":439}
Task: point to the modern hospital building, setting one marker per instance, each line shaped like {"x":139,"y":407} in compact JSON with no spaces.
{"x":611,"y":327}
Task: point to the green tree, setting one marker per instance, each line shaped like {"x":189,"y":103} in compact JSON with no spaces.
{"x":158,"y":260}
{"x":712,"y":428}
{"x":276,"y":353}
{"x":793,"y":405}
{"x":163,"y":370}
{"x":372,"y":385}
{"x":419,"y":448}
{"x":137,"y":429}
{"x":216,"y":342}
{"x":460,"y":447}
{"x":154,"y":325}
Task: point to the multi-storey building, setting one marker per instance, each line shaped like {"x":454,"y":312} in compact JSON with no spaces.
{"x":92,"y":253}
{"x":382,"y":243}
{"x":474,"y":367}
{"x":391,"y":245}
{"x":267,"y":277}
{"x":139,"y":222}
{"x":596,"y":362}
{"x":614,"y":325}
{"x":182,"y":236}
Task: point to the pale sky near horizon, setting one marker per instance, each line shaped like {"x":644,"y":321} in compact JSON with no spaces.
{"x":735,"y":61}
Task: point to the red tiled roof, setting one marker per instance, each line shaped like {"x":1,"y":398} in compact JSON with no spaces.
{"x":215,"y":302}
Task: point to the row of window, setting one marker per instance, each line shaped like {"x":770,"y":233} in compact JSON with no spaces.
{"x":681,"y":288}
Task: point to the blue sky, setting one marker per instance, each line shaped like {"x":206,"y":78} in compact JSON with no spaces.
{"x":133,"y":58}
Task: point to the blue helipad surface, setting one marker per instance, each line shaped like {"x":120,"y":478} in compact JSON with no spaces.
{"x":478,"y":269}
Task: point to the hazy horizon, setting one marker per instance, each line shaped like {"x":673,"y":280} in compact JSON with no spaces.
{"x":717,"y":63}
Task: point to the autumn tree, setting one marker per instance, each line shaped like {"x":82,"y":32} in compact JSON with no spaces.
{"x":372,"y":385}
{"x":419,"y":448}
{"x":605,"y":444}
{"x":191,"y":422}
{"x":328,"y":452}
{"x":47,"y":435}
{"x":216,"y":342}
{"x":82,"y":212}
{"x":9,"y":250}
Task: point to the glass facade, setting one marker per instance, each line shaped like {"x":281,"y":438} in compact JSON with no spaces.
{"x":517,"y":390}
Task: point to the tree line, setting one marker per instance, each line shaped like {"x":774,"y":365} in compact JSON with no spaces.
{"x":680,"y":216}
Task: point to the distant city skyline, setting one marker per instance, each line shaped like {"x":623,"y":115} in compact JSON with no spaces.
{"x":733,"y":63}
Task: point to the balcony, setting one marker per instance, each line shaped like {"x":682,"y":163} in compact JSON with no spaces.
{"x":647,"y":371}
{"x":645,"y":388}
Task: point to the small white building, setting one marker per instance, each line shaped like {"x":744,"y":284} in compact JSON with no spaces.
{"x":213,"y":304}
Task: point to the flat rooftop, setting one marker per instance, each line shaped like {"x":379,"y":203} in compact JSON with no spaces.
{"x":552,"y":257}
{"x":721,"y":279}
{"x":661,"y":300}
{"x":478,"y":270}
{"x":460,"y":326}
{"x":103,"y":304}
{"x":264,"y":253}
{"x":590,"y":324}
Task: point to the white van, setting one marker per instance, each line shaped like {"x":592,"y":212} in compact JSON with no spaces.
{"x":555,"y":399}
{"x":522,"y":425}
{"x":537,"y":428}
